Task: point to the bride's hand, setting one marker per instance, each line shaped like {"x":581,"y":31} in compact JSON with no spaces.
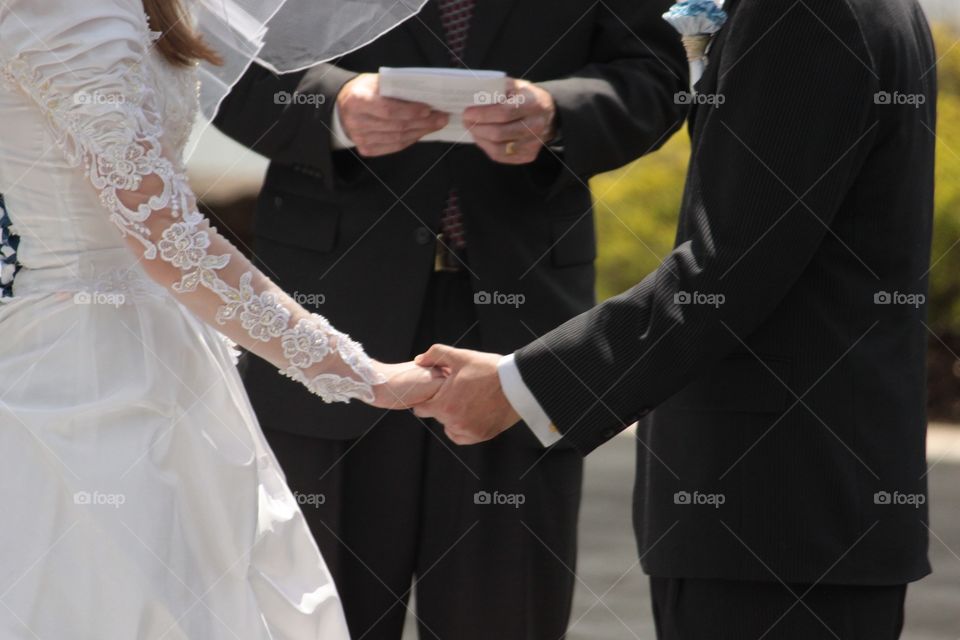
{"x":407,"y":385}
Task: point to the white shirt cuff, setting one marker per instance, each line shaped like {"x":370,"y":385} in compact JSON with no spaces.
{"x":524,"y":402}
{"x":338,"y":136}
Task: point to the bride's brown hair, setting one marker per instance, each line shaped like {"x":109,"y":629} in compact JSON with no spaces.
{"x":178,"y":41}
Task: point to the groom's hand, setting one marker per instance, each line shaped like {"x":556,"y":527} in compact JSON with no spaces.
{"x":470,"y":404}
{"x":380,"y":126}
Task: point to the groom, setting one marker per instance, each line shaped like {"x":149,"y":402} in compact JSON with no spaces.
{"x":775,"y":360}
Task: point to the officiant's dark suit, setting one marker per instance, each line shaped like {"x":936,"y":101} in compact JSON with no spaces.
{"x":489,"y":532}
{"x":777,"y":357}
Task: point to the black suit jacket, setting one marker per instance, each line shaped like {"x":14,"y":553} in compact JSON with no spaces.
{"x":782,"y":342}
{"x":359,"y":233}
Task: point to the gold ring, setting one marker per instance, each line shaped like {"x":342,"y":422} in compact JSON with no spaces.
{"x":511,"y":148}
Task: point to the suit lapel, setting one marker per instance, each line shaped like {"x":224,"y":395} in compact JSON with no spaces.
{"x":709,"y":82}
{"x":427,"y":31}
{"x":730,"y":6}
{"x":709,"y":79}
{"x":488,"y":18}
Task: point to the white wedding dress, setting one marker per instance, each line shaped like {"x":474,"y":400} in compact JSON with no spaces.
{"x":139,"y":498}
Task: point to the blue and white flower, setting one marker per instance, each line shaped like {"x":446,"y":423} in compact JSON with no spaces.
{"x":696,"y":21}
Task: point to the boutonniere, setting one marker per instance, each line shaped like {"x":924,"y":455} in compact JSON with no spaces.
{"x":697,"y":21}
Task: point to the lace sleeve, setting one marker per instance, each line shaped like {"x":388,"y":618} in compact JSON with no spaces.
{"x":86,"y":68}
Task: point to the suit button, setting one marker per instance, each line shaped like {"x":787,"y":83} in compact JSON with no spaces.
{"x":277,"y":201}
{"x":423,"y":236}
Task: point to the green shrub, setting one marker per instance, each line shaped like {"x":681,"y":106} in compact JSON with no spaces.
{"x":945,"y":261}
{"x":636,"y":212}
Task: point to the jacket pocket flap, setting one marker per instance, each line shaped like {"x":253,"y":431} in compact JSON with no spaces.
{"x":296,"y":220}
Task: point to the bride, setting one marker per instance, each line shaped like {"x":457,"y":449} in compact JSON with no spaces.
{"x":140,"y":499}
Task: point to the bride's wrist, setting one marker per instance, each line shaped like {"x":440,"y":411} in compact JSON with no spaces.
{"x":329,"y":363}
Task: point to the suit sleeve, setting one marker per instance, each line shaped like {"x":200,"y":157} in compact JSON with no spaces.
{"x":771,"y":168}
{"x":258,"y":114}
{"x":622,"y":105}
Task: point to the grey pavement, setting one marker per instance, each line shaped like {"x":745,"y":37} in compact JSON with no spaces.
{"x":612,"y":601}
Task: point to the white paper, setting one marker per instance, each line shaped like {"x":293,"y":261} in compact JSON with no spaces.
{"x":450,"y":90}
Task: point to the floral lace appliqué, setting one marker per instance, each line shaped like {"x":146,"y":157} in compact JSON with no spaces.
{"x":307,"y":343}
{"x":118,"y":143}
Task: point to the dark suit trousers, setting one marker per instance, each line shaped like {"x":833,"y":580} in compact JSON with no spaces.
{"x":487,"y":532}
{"x":688,"y":609}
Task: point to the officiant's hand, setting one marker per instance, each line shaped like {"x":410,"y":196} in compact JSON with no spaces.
{"x":470,"y":404}
{"x":407,"y":385}
{"x":380,"y":126}
{"x":516,"y":126}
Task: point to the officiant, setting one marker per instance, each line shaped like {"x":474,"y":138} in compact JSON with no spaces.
{"x":483,"y":244}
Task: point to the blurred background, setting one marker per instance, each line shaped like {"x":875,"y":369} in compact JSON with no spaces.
{"x":636,"y":209}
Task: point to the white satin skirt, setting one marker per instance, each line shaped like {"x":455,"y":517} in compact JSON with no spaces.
{"x":140,"y":500}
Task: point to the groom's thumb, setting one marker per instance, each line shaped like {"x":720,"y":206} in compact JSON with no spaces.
{"x":438,"y":355}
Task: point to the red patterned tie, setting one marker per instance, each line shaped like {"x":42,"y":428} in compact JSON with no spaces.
{"x":455,"y":16}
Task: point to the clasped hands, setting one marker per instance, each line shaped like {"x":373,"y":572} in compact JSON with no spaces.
{"x":457,"y":387}
{"x":511,"y":131}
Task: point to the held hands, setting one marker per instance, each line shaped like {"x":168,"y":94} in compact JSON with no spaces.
{"x":381,"y":126}
{"x":407,"y":385}
{"x":458,"y":388}
{"x":470,"y":403}
{"x":513,"y":130}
